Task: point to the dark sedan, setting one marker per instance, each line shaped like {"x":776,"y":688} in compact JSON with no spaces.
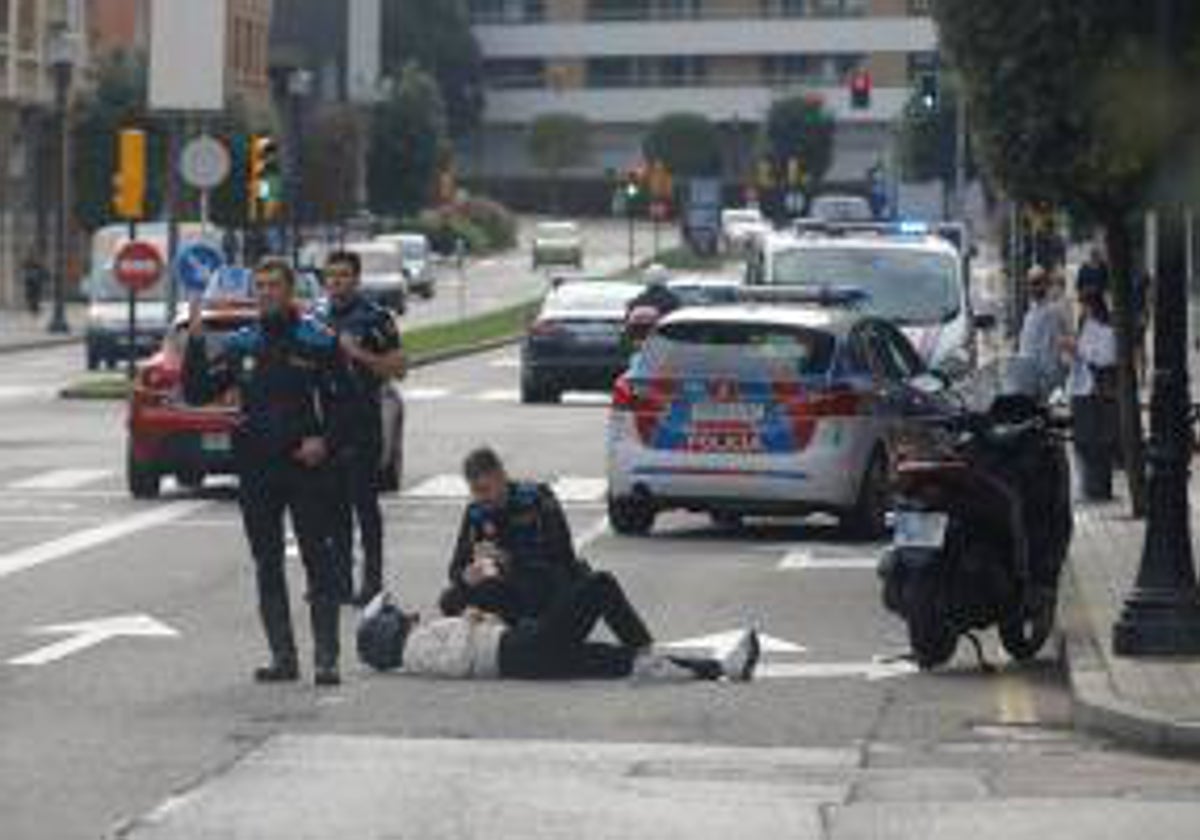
{"x":576,"y":343}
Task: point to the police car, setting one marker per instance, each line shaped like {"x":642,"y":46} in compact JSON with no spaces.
{"x":911,"y":274}
{"x":763,"y":408}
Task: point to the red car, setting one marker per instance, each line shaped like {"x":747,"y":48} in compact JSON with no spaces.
{"x":169,"y":437}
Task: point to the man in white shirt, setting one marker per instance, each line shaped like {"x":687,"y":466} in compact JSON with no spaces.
{"x":1043,"y":330}
{"x":478,"y":645}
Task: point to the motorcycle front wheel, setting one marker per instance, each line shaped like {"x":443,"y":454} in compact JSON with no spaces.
{"x":932,"y":639}
{"x":1023,"y":637}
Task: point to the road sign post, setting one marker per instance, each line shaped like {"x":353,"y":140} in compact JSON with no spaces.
{"x":137,"y":267}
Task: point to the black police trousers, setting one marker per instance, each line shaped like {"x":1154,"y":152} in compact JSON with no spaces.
{"x":268,"y":492}
{"x":356,"y":498}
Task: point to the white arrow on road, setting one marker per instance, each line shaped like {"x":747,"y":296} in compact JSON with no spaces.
{"x":720,"y":644}
{"x":87,"y":634}
{"x":873,"y":671}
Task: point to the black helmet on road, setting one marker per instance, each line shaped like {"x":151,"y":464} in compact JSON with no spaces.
{"x":382,"y":633}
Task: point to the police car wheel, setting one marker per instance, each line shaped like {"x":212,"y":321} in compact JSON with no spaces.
{"x":868,"y":519}
{"x":631,"y":516}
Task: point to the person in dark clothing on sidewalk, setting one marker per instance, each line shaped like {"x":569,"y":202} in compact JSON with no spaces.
{"x":480,"y":645}
{"x":35,"y":278}
{"x":289,"y":373}
{"x":1092,"y":278}
{"x":518,"y":531}
{"x":369,"y":338}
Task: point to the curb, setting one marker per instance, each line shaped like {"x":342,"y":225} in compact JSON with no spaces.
{"x":1095,"y":704}
{"x":39,"y":344}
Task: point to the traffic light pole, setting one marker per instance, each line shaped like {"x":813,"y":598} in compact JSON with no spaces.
{"x":131,"y":335}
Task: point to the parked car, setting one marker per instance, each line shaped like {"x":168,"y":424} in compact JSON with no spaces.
{"x":415,"y":262}
{"x":169,"y":437}
{"x":576,"y":343}
{"x":767,"y":409}
{"x":741,"y":226}
{"x":916,"y":280}
{"x":383,"y":276}
{"x":557,"y":243}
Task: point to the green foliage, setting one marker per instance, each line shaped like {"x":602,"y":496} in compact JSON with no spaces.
{"x":497,"y":222}
{"x":484,"y":225}
{"x":331,"y":147}
{"x":436,"y":35}
{"x":688,"y":144}
{"x":408,"y":145}
{"x":559,"y":141}
{"x":800,"y":127}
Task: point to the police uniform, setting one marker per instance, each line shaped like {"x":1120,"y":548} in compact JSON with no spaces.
{"x":358,"y":466}
{"x":532,"y":530}
{"x":289,"y":372}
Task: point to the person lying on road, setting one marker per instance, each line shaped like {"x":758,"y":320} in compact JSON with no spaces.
{"x":514,"y":552}
{"x":479,"y":645}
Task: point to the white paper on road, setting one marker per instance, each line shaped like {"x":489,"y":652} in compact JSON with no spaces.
{"x":87,"y":634}
{"x":80,"y":541}
{"x":71,"y":479}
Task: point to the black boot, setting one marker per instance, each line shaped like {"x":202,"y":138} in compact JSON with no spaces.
{"x":277,"y":624}
{"x":372,"y":583}
{"x":326,"y":631}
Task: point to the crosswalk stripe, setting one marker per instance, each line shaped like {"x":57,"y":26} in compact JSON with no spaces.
{"x":803,"y":561}
{"x":425,"y":394}
{"x":20,"y":392}
{"x":439,"y":487}
{"x":571,"y":489}
{"x":70,"y":479}
{"x":499,"y":396}
{"x":506,"y":363}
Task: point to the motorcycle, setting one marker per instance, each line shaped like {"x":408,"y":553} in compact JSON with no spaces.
{"x":983,"y":521}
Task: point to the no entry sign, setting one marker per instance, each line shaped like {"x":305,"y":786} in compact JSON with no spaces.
{"x":138,"y":266}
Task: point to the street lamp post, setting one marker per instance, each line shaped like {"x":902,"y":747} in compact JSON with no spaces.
{"x":299,"y":89}
{"x":60,"y":49}
{"x":1162,"y":614}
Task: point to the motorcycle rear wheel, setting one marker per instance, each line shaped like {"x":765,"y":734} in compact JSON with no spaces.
{"x":932,"y":640}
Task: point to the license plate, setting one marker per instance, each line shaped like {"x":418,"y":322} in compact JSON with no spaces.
{"x":725,"y":442}
{"x":216,"y":442}
{"x":747,"y":413}
{"x":918,"y":529}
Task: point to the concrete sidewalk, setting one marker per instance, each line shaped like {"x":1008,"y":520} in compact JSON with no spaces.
{"x":1152,"y":703}
{"x":19,"y":330}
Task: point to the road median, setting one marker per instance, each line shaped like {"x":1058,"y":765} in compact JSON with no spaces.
{"x":425,"y":346}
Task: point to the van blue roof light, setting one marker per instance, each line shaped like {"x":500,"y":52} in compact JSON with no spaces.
{"x":914,"y":228}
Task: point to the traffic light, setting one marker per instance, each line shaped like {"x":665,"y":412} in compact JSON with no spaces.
{"x":795,"y":172}
{"x":634,"y":183}
{"x":129,"y":182}
{"x":860,"y":90}
{"x":929,"y":93}
{"x":263,"y":177}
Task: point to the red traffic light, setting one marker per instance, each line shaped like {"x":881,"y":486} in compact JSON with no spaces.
{"x":860,"y":90}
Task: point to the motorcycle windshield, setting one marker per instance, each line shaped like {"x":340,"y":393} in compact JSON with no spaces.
{"x":1006,"y":379}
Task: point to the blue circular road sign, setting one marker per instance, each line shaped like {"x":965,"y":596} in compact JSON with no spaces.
{"x":195,"y":265}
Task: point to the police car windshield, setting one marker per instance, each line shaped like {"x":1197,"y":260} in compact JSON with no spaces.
{"x":743,"y":351}
{"x":902,"y":285}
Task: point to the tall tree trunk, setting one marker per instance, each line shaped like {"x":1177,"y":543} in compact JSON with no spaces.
{"x":1120,"y":258}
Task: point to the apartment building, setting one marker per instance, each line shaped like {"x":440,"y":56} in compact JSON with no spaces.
{"x":624,"y":63}
{"x":26,"y":119}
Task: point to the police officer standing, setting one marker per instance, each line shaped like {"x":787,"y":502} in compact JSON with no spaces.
{"x":369,"y":338}
{"x":288,"y":371}
{"x":514,"y":553}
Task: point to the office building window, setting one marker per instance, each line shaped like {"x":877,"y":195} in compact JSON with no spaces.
{"x":27,"y":35}
{"x":611,"y":72}
{"x":919,"y":8}
{"x":618,"y":9}
{"x":515,"y":73}
{"x":921,"y":65}
{"x":784,"y":8}
{"x":785,"y":69}
{"x":840,"y":8}
{"x":506,"y":11}
{"x":682,"y":71}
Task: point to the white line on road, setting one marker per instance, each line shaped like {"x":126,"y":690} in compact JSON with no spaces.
{"x":500,"y":396}
{"x":425,"y":394}
{"x":20,"y":392}
{"x":29,"y":558}
{"x":570,"y":489}
{"x":446,"y":486}
{"x":804,"y":561}
{"x":506,"y":362}
{"x":591,"y":534}
{"x":88,"y":634}
{"x":873,"y":671}
{"x":71,"y":479}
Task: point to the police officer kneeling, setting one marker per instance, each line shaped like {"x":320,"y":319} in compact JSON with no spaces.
{"x":288,"y":371}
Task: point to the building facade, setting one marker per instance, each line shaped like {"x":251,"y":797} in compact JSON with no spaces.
{"x":624,"y":63}
{"x":27,"y":122}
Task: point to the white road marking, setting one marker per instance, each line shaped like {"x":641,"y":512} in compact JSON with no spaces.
{"x":586,"y":398}
{"x":425,"y":394}
{"x":20,"y":392}
{"x":70,"y":479}
{"x":720,"y":644}
{"x":873,"y":671}
{"x":500,"y":396}
{"x":802,"y":561}
{"x":505,"y":362}
{"x":446,"y":486}
{"x":570,"y":489}
{"x":88,"y":634}
{"x":589,"y":535}
{"x":29,"y":558}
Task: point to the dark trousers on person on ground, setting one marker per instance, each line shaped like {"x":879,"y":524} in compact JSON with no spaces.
{"x":357,"y":499}
{"x":556,"y":646}
{"x":268,"y":493}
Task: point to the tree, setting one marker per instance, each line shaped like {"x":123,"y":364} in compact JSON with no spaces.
{"x":1074,"y":127}
{"x":557,"y":142}
{"x":687,"y":144}
{"x":408,"y":145}
{"x":331,"y":169}
{"x":437,"y":36}
{"x":800,"y":127}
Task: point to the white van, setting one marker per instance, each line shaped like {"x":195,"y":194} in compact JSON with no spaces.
{"x":383,"y":278}
{"x":106,"y":336}
{"x":415,"y":261}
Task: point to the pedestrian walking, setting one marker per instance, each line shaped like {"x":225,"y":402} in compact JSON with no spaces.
{"x":518,"y":528}
{"x":371,"y":341}
{"x":1093,"y":276}
{"x":480,"y":645}
{"x":1093,"y":388}
{"x":289,"y":372}
{"x":1043,"y":330}
{"x":34,"y":277}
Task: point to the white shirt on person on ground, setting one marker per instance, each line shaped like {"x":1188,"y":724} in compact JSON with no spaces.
{"x":454,"y":648}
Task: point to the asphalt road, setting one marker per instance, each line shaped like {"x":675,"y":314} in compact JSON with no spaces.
{"x":164,"y":735}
